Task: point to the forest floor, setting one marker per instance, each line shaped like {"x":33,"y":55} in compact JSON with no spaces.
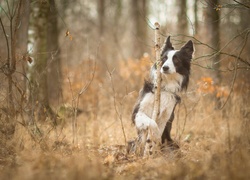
{"x":212,"y":146}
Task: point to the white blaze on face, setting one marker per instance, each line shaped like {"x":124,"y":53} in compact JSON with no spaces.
{"x":169,"y":62}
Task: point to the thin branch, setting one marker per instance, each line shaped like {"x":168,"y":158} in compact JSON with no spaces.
{"x":119,"y":115}
{"x":220,"y":70}
{"x":7,"y":42}
{"x":231,"y":90}
{"x":247,"y":31}
{"x":13,"y":36}
{"x":84,"y":88}
{"x":76,"y":98}
{"x":218,"y":51}
{"x":73,"y":100}
{"x":14,"y":10}
{"x":187,"y":114}
{"x":8,"y":6}
{"x":6,"y":14}
{"x":242,"y":4}
{"x":235,"y":72}
{"x":192,"y":25}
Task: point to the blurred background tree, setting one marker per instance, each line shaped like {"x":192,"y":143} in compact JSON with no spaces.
{"x":54,"y":67}
{"x":139,"y":13}
{"x":182,"y":17}
{"x":44,"y":45}
{"x":212,"y":26}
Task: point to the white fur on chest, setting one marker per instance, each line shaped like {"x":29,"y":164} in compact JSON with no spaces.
{"x":172,"y":82}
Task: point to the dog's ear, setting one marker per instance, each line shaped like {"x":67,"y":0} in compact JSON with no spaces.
{"x":167,"y":46}
{"x":188,"y":49}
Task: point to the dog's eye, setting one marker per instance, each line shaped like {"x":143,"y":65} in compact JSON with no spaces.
{"x":164,"y":59}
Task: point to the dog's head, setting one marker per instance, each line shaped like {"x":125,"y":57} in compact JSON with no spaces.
{"x":175,"y":64}
{"x":176,"y":61}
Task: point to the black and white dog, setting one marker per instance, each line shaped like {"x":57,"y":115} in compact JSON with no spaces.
{"x":175,"y":72}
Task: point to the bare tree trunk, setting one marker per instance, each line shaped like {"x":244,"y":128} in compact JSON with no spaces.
{"x":244,"y":24}
{"x":118,"y":11}
{"x":101,"y":16}
{"x":182,"y":17}
{"x":9,"y":68}
{"x":9,"y":109}
{"x":196,"y":24}
{"x":101,"y":24}
{"x":38,"y":71}
{"x":138,"y":14}
{"x":54,"y":60}
{"x":22,"y":41}
{"x":213,"y":35}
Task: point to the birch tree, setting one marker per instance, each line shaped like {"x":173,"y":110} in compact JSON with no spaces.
{"x":182,"y":16}
{"x":54,"y":59}
{"x":212,"y":19}
{"x":38,"y":70}
{"x":138,"y":14}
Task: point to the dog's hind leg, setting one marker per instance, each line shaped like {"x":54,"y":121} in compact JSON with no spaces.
{"x":166,"y":133}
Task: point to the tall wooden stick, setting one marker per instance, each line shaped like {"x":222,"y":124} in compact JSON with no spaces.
{"x":157,"y":83}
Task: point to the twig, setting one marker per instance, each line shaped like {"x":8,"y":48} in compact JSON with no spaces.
{"x":231,"y":90}
{"x":6,"y":14}
{"x":75,"y":102}
{"x":198,"y":42}
{"x":187,"y":114}
{"x":84,"y":88}
{"x":246,"y":6}
{"x":235,"y":72}
{"x":7,"y":42}
{"x":13,"y":35}
{"x":221,"y":70}
{"x":119,"y":115}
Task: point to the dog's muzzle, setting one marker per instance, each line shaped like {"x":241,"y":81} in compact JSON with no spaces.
{"x":165,"y":69}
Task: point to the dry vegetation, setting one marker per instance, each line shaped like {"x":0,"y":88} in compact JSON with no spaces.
{"x":214,"y":144}
{"x":102,"y":75}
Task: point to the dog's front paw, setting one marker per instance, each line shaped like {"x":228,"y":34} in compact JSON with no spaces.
{"x":152,"y":145}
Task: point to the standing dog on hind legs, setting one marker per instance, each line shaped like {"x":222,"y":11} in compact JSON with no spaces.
{"x":175,"y":70}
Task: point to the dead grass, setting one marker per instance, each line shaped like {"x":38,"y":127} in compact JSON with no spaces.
{"x":214,"y":144}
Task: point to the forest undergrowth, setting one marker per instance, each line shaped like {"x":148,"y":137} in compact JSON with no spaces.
{"x":214,"y":143}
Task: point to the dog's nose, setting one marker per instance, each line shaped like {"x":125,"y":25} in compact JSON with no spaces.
{"x":165,"y":68}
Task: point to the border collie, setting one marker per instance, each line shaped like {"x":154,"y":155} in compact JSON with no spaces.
{"x":175,"y":70}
